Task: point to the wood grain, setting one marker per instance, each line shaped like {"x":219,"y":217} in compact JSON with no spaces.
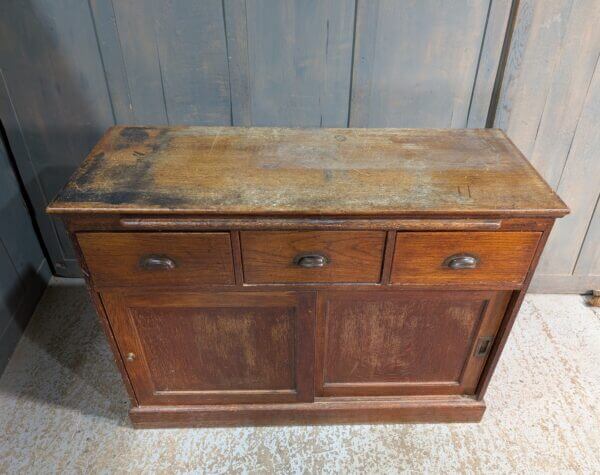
{"x":215,"y":348}
{"x":580,"y":182}
{"x":503,"y":257}
{"x":191,"y":223}
{"x":353,"y":256}
{"x":307,"y":172}
{"x":299,"y":61}
{"x":397,"y":410}
{"x":410,"y":72}
{"x":376,"y":344}
{"x":114,"y":259}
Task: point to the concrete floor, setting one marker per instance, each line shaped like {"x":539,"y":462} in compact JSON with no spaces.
{"x":63,"y":409}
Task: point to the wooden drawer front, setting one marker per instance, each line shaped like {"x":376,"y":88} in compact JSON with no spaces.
{"x":127,"y":259}
{"x":427,"y":258}
{"x":277,"y":257}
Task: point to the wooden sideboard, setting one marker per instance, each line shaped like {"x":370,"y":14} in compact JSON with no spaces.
{"x":299,"y":276}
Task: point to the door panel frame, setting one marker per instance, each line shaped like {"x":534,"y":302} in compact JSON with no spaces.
{"x":494,"y":304}
{"x":118,"y":303}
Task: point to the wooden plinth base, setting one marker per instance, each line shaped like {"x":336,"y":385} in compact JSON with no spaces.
{"x":338,"y":411}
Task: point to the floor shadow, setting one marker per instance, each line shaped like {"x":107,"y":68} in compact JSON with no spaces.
{"x":64,"y":360}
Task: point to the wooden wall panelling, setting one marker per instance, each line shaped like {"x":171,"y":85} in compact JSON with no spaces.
{"x":533,"y":55}
{"x":48,"y":227}
{"x":113,"y":62}
{"x":569,"y":89}
{"x":580,"y":186}
{"x":415,"y":62}
{"x":174,"y":59}
{"x":135,"y":20}
{"x":300,"y":55}
{"x":24,"y":271}
{"x":55,"y":103}
{"x":166,"y":62}
{"x":192,"y":51}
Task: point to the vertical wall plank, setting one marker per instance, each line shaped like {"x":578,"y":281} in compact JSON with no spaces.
{"x":193,"y":59}
{"x":425,"y":57}
{"x":136,"y":28}
{"x":112,"y":60}
{"x":489,"y":59}
{"x":299,"y":58}
{"x":237,"y":57}
{"x":365,"y":42}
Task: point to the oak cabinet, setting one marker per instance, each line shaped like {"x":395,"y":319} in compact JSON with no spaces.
{"x":288,"y":276}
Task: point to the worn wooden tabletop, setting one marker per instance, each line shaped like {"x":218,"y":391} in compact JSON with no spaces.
{"x":239,"y":171}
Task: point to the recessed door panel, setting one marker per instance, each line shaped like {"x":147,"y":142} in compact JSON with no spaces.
{"x":398,"y":343}
{"x":215,"y":348}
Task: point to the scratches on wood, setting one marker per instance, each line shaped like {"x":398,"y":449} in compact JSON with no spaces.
{"x":307,"y":171}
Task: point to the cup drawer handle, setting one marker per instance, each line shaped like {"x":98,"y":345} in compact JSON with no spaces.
{"x":461,"y":261}
{"x":153,"y":262}
{"x":310,"y":261}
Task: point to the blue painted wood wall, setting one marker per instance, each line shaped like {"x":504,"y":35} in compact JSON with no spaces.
{"x":24,"y":271}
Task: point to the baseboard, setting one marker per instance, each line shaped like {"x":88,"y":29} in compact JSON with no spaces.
{"x":564,"y":284}
{"x":413,"y":409}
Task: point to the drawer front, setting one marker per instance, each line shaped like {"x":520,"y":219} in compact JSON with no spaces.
{"x":312,"y":256}
{"x":136,"y":259}
{"x":463,"y":258}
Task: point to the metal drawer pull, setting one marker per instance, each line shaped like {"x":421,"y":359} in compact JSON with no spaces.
{"x":461,"y":261}
{"x":157,"y":262}
{"x":309,"y":261}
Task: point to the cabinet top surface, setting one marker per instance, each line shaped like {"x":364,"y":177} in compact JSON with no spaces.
{"x":276,"y":171}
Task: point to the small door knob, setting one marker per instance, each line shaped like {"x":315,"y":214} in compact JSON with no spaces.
{"x":130,"y":357}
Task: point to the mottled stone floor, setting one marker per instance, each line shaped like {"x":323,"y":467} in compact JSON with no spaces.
{"x":63,"y":409}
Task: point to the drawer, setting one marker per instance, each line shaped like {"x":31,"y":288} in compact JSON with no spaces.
{"x":131,"y":259}
{"x":463,"y":257}
{"x":312,"y":256}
